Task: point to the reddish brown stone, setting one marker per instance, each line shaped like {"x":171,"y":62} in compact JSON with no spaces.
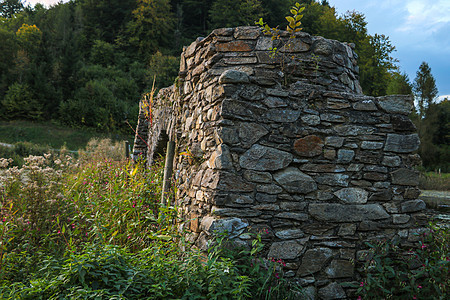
{"x":235,"y":46}
{"x":194,"y":223}
{"x":309,"y":146}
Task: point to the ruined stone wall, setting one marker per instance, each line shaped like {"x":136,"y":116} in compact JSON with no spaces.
{"x":288,"y":146}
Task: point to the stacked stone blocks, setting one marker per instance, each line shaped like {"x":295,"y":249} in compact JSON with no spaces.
{"x":294,"y":152}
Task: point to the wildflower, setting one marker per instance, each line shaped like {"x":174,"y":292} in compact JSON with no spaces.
{"x":266,"y":231}
{"x":419,"y":286}
{"x":59,"y":231}
{"x":362,"y":283}
{"x":359,"y":298}
{"x":277,"y":276}
{"x":424,"y":246}
{"x":414,"y":297}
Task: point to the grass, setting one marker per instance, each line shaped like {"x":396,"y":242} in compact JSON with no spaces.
{"x":434,"y":181}
{"x":53,"y":135}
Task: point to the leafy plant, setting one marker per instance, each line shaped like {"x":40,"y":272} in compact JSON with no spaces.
{"x":94,"y":228}
{"x":282,"y":47}
{"x":420,"y":273}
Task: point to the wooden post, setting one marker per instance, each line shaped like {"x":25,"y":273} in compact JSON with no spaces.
{"x":127,"y":149}
{"x":170,"y":152}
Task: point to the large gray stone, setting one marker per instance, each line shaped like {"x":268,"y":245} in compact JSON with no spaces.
{"x":345,"y":155}
{"x":311,"y":120}
{"x":295,"y":181}
{"x":334,"y":141}
{"x":255,"y":176}
{"x":353,"y":130}
{"x":250,"y":133}
{"x":232,"y":183}
{"x":396,"y":104}
{"x":274,"y":102}
{"x":234,"y":76}
{"x":292,"y":216}
{"x":413,"y":206}
{"x":333,"y":179}
{"x":322,"y":46}
{"x":237,"y":109}
{"x":262,"y":158}
{"x":391,"y":161}
{"x":231,"y":226}
{"x":332,"y":291}
{"x":405,"y":176}
{"x":283,"y":115}
{"x":285,"y":250}
{"x":352,"y":195}
{"x":221,"y":158}
{"x":402,"y":143}
{"x":340,"y":268}
{"x":314,"y":260}
{"x":332,"y":212}
{"x":367,"y":145}
{"x":289,"y":234}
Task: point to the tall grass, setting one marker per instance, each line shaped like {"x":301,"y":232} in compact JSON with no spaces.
{"x":93,"y":228}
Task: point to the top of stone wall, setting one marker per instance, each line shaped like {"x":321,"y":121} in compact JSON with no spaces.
{"x":308,"y":60}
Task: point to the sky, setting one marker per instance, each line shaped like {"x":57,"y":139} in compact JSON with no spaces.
{"x":419,"y":29}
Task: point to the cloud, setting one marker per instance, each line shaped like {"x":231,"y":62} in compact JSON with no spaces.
{"x":442,"y":98}
{"x":46,"y":3}
{"x":426,"y":16}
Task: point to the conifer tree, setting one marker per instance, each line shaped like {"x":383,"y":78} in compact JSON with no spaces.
{"x":424,"y":88}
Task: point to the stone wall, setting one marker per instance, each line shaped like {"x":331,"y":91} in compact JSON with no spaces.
{"x":289,"y":147}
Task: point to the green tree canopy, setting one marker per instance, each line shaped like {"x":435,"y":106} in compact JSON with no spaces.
{"x":232,"y":13}
{"x":8,"y":8}
{"x":152,"y":26}
{"x":424,"y":88}
{"x":399,"y":84}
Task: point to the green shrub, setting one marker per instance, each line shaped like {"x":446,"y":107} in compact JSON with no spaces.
{"x":419,"y":273}
{"x":93,"y":228}
{"x":19,"y":103}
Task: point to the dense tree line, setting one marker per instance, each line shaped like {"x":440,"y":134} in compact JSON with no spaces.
{"x":86,"y":62}
{"x":432,"y":121}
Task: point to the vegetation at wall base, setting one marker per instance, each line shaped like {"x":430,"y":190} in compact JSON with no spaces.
{"x":420,"y":272}
{"x":93,"y":227}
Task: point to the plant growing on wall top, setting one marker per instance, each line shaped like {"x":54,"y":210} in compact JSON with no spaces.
{"x":292,"y":28}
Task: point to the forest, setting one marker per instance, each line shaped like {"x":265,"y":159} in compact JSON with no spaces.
{"x":59,"y":63}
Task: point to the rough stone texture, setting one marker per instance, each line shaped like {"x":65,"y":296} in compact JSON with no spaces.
{"x":340,"y":269}
{"x":402,"y":143}
{"x":400,"y":104}
{"x":295,"y":181}
{"x":314,"y":165}
{"x":413,"y":206}
{"x":285,"y":250}
{"x":347,"y":213}
{"x":262,"y":158}
{"x":352,"y":195}
{"x":314,"y":260}
{"x":405,"y":176}
{"x":309,"y":146}
{"x":332,"y":291}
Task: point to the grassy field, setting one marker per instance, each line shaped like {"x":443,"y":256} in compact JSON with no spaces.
{"x":53,"y":135}
{"x":434,"y":181}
